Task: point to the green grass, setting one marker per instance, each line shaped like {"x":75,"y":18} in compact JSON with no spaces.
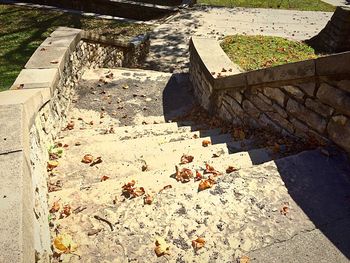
{"x":305,"y":5}
{"x":256,"y":52}
{"x":23,"y":29}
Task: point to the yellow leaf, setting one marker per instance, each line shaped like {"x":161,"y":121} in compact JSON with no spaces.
{"x":162,"y":248}
{"x":64,"y":243}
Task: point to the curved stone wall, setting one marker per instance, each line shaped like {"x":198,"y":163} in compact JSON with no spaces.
{"x":309,"y":99}
{"x":335,"y":36}
{"x":32,"y":113}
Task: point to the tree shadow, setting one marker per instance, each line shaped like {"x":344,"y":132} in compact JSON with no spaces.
{"x":320,"y":185}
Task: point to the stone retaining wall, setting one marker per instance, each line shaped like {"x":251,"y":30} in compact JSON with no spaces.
{"x":335,"y":36}
{"x":32,"y":113}
{"x":309,"y":99}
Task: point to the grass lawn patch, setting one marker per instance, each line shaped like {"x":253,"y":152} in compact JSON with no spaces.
{"x":256,"y":52}
{"x":23,"y":29}
{"x":304,"y":5}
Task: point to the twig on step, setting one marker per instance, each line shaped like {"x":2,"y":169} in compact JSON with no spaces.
{"x":104,"y":220}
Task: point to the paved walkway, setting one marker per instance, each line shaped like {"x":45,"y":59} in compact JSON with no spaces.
{"x":337,"y":2}
{"x":169,"y":46}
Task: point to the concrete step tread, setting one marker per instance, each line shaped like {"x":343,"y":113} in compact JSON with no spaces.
{"x":80,"y":175}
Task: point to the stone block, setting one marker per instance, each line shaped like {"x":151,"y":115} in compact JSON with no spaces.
{"x":339,"y":131}
{"x":36,"y":78}
{"x":300,"y":127}
{"x":16,"y":209}
{"x":319,"y":107}
{"x":276,"y":94}
{"x":66,"y":31}
{"x":251,"y":109}
{"x":281,"y":121}
{"x":308,"y":88}
{"x":235,"y":94}
{"x":333,"y":64}
{"x":336,"y":98}
{"x":312,"y":119}
{"x":67,"y":41}
{"x":259,"y":103}
{"x":344,"y":84}
{"x":48,"y":57}
{"x":224,"y":113}
{"x":264,"y":120}
{"x":18,"y":109}
{"x":264,"y":98}
{"x":234,"y":107}
{"x":289,"y":71}
{"x":279,"y":110}
{"x":294,"y":91}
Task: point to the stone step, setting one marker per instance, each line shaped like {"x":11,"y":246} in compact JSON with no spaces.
{"x":129,"y":132}
{"x":86,"y":176}
{"x":123,"y":158}
{"x":242,"y":211}
{"x":152,"y":136}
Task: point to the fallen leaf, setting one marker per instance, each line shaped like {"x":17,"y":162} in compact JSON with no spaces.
{"x":129,"y":191}
{"x":55,"y":207}
{"x":162,"y":248}
{"x":125,"y":86}
{"x":210,"y":170}
{"x":64,"y":243}
{"x":205,"y":184}
{"x":244,"y":259}
{"x":206,"y":143}
{"x":195,"y":136}
{"x":88,"y":158}
{"x":104,"y":178}
{"x":91,"y":123}
{"x":96,"y":161}
{"x":186,"y":159}
{"x":102,"y":115}
{"x":198,"y":243}
{"x":144,"y":167}
{"x":184,"y":175}
{"x":276,"y":148}
{"x":285,"y":209}
{"x":54,"y":61}
{"x":51,"y":165}
{"x":67,"y":210}
{"x":199,"y":176}
{"x":231,"y":169}
{"x":238,"y":133}
{"x":148,"y":199}
{"x":77,"y":144}
{"x":70,"y":125}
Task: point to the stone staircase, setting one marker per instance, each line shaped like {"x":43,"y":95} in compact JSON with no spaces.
{"x":266,"y":201}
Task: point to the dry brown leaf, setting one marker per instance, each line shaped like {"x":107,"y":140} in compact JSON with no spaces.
{"x":186,"y":159}
{"x":284,"y":209}
{"x":210,"y":170}
{"x":55,"y":207}
{"x":144,"y":167}
{"x":104,"y":178}
{"x":198,"y":243}
{"x":184,"y":175}
{"x":231,"y":169}
{"x":198,"y":177}
{"x":77,"y":144}
{"x":148,"y":199}
{"x":130,"y":191}
{"x":70,"y":125}
{"x":205,"y":184}
{"x":276,"y":148}
{"x":162,"y":248}
{"x":206,"y":143}
{"x":195,"y":136}
{"x":51,"y":165}
{"x":54,"y":61}
{"x":238,"y":133}
{"x":67,"y":210}
{"x":88,"y":158}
